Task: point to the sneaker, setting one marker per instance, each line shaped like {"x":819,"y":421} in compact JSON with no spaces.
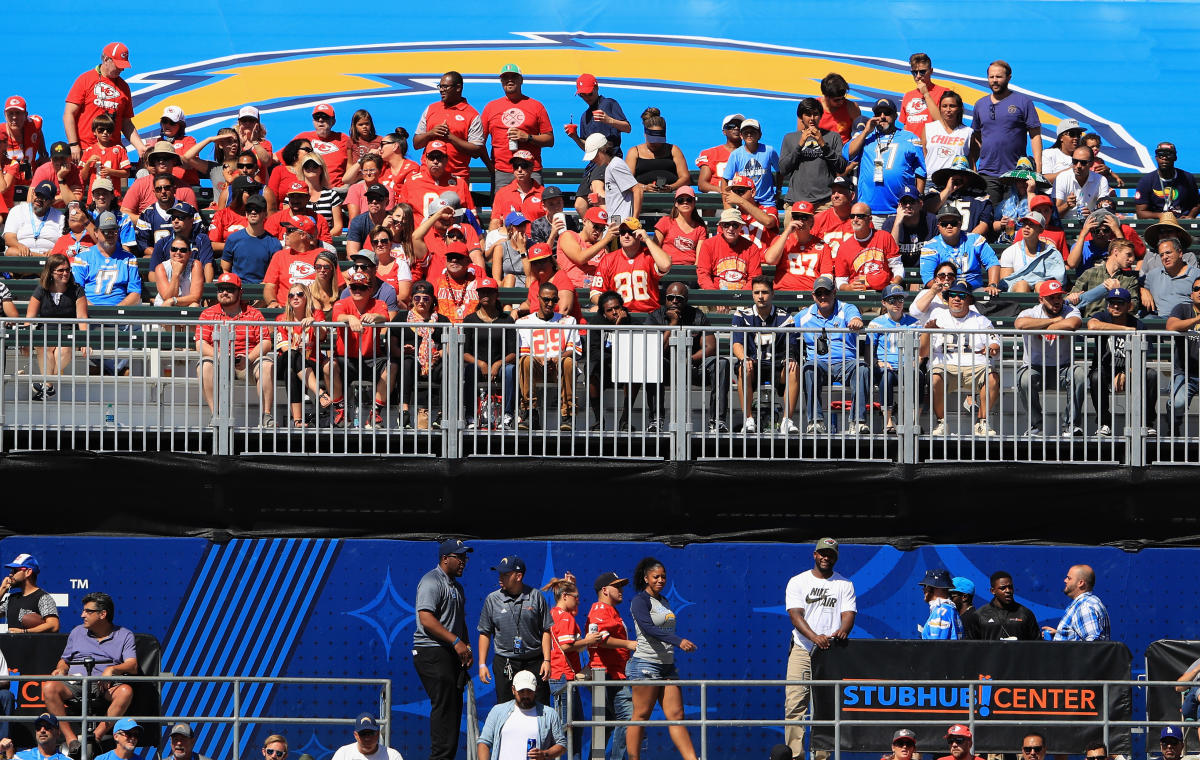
{"x":268,"y":421}
{"x":939,"y":428}
{"x":750,"y":427}
{"x":984,"y":430}
{"x":821,"y":427}
{"x":860,"y":428}
{"x":51,"y":390}
{"x":1151,"y":432}
{"x":970,"y":405}
{"x":339,"y":414}
{"x":1104,"y":431}
{"x":717,"y":426}
{"x":1034,"y":430}
{"x":1072,"y":431}
{"x":787,"y":427}
{"x":39,"y":392}
{"x":375,"y":418}
{"x":653,"y":426}
{"x":890,"y":429}
{"x":506,"y":422}
{"x":566,"y":423}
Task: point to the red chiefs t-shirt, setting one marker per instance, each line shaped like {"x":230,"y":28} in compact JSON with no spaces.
{"x":580,"y":276}
{"x":112,"y":157}
{"x":421,"y":188}
{"x":242,"y":336}
{"x":915,"y":113}
{"x":456,"y":300}
{"x":720,"y":266}
{"x":281,"y":179}
{"x":395,"y":179}
{"x":224,"y":223}
{"x":526,"y":114}
{"x":458,"y":118}
{"x":680,"y":245}
{"x":563,"y":283}
{"x":830,"y":227}
{"x":802,"y":264}
{"x":289,"y":267}
{"x":509,"y":199}
{"x":565,"y":631}
{"x":635,"y":279}
{"x":369,"y":342}
{"x":435,"y":262}
{"x":335,"y":152}
{"x":756,"y":232}
{"x":13,"y":170}
{"x":839,"y":120}
{"x":22,"y":147}
{"x":856,"y":259}
{"x":140,"y":195}
{"x":607,"y":620}
{"x":96,"y":94}
{"x":715,"y":158}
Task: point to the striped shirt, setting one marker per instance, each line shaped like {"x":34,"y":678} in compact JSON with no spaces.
{"x":324,"y":205}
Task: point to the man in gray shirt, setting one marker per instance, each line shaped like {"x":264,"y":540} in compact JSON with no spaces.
{"x":810,"y":157}
{"x":441,"y":653}
{"x":517,"y":618}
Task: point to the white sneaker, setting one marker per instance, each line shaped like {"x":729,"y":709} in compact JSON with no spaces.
{"x":787,"y":427}
{"x":1104,"y":431}
{"x":939,"y":429}
{"x":984,"y":430}
{"x":1151,"y":433}
{"x":860,"y":428}
{"x":750,"y":427}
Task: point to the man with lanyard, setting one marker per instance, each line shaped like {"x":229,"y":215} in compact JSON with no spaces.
{"x":454,"y":122}
{"x":517,"y":618}
{"x":832,"y":357}
{"x":975,"y":259}
{"x":45,"y":734}
{"x":885,"y":348}
{"x":34,"y":227}
{"x":888,"y":159}
{"x":1166,"y":188}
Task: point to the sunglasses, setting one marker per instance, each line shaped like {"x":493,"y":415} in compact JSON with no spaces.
{"x":358,"y":288}
{"x":1164,"y":153}
{"x":735,"y":125}
{"x":730,"y":224}
{"x":105,"y":130}
{"x":227,"y":289}
{"x":322,"y":117}
{"x":945,"y":276}
{"x":1080,"y":161}
{"x":1034,"y":748}
{"x":551,"y":299}
{"x":381,"y":241}
{"x":905,"y":745}
{"x":521,"y":165}
{"x":455,"y":257}
{"x":295,"y":295}
{"x":422,"y":298}
{"x":275,"y":752}
{"x":860,"y":216}
{"x":956,"y":740}
{"x":895,"y":299}
{"x":441,"y":157}
{"x":323,"y":267}
{"x":950,"y":224}
{"x":685,"y":199}
{"x":956,"y":295}
{"x":363,"y":265}
{"x":919,"y":72}
{"x":163,"y":188}
{"x":677,"y":299}
{"x":179,"y":250}
{"x":247,"y":166}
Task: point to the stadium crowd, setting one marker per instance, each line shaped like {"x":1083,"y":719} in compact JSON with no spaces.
{"x":344,"y":229}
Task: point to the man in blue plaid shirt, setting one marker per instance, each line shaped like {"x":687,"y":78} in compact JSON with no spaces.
{"x":1086,"y":619}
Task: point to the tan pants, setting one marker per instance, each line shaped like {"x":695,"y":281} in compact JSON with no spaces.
{"x":795,"y":698}
{"x":532,"y":370}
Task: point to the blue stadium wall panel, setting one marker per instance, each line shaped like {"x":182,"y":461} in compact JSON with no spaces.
{"x":1121,"y":67}
{"x":329,"y":608}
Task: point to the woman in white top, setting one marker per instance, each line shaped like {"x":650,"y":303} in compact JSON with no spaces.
{"x":180,"y":278}
{"x":930,"y":299}
{"x":946,"y":136}
{"x":1057,"y":159}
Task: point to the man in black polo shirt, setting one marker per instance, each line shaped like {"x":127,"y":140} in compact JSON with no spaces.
{"x":1002,"y":619}
{"x":707,"y":369}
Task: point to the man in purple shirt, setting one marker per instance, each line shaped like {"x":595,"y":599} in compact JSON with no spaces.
{"x":112,"y":649}
{"x":999,"y":126}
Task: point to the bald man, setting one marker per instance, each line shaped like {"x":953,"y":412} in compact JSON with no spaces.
{"x":1085,"y":619}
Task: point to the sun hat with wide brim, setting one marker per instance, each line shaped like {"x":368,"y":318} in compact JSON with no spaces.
{"x":1025,"y":171}
{"x":1167,"y":224}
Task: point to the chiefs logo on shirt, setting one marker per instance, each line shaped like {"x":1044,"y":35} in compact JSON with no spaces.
{"x":106,"y":96}
{"x":324,"y":148}
{"x":301,"y":271}
{"x":683,"y":243}
{"x":513,"y":117}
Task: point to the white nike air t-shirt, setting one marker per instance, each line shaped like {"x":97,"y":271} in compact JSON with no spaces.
{"x":823,"y":602}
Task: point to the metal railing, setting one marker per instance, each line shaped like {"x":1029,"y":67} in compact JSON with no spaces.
{"x":239,"y":719}
{"x":969,"y":715}
{"x":601,"y":391}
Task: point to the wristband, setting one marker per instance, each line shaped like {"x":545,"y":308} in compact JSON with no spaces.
{"x":73,"y":143}
{"x":455,"y":642}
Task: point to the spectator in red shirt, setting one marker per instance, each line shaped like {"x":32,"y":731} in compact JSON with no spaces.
{"x":728,"y":260}
{"x":100,"y":90}
{"x":251,"y":345}
{"x":397,"y":168}
{"x":453,"y":121}
{"x":914,"y":109}
{"x":295,"y":263}
{"x":870,"y":258}
{"x":333,"y":147}
{"x":361,"y":349}
{"x":298,"y":206}
{"x":435,"y":233}
{"x":566,"y":643}
{"x":613,"y":651}
{"x":513,"y":122}
{"x":541,"y":271}
{"x":283,"y":175}
{"x":363,"y":139}
{"x":762,"y":222}
{"x":300,"y":358}
{"x":799,"y":257}
{"x":106,"y":159}
{"x":21,"y":139}
{"x":63,"y":173}
{"x":252,"y":137}
{"x":433,"y":181}
{"x":833,"y":224}
{"x":634,"y":269}
{"x":172,"y":127}
{"x":711,"y":162}
{"x":682,"y":231}
{"x":232,"y":218}
{"x":580,"y":253}
{"x":455,"y":290}
{"x":75,"y":238}
{"x":523,"y":195}
{"x":840,"y":113}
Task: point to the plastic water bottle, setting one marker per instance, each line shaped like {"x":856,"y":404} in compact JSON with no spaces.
{"x":110,"y":419}
{"x":593,"y":628}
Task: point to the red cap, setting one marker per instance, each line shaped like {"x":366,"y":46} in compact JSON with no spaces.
{"x":324,"y":108}
{"x":118,"y":53}
{"x":15,"y":101}
{"x":878,"y":278}
{"x":596,"y":215}
{"x":740,"y":180}
{"x":802,"y":207}
{"x":437,"y":145}
{"x":304,"y":223}
{"x":685,"y":190}
{"x":1039,"y":200}
{"x":297,"y":187}
{"x":593,"y":199}
{"x":585,"y":83}
{"x":358,"y":277}
{"x":486,"y":283}
{"x":539,"y":251}
{"x":523,"y":154}
{"x":455,"y":246}
{"x":229,"y":278}
{"x":1049,"y":288}
{"x":958,"y":730}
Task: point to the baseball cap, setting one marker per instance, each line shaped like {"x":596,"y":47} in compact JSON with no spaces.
{"x":453,"y":546}
{"x":366,"y":253}
{"x":27,"y":561}
{"x":377,"y":190}
{"x":593,"y":144}
{"x":884,"y":104}
{"x":437,"y":146}
{"x":324,"y":108}
{"x":510,"y":565}
{"x":802,"y":207}
{"x":892,"y":290}
{"x":824,"y":282}
{"x":181,"y":729}
{"x":229,"y":278}
{"x":45,"y":188}
{"x":908,"y":191}
{"x":48,"y":718}
{"x":366,"y":722}
{"x":730,"y":215}
{"x":182,"y":209}
{"x":949,"y":211}
{"x":903,"y":733}
{"x":513,"y":218}
{"x":15,"y":102}
{"x":525,"y":681}
{"x":297,"y":188}
{"x":596,"y":215}
{"x":539,"y":251}
{"x":510,"y":68}
{"x":107,"y":221}
{"x":729,"y":117}
{"x":585,"y":83}
{"x":1119,"y":294}
{"x":175,"y":114}
{"x":1171,"y":732}
{"x":524,"y":155}
{"x":1066,"y":125}
{"x":243,"y":184}
{"x":59,"y":149}
{"x":1038,"y":201}
{"x":609,"y":579}
{"x":963,"y":586}
{"x":1049,"y":288}
{"x":551,"y":191}
{"x":248,"y":112}
{"x":961,"y":287}
{"x":1101,"y":215}
{"x":827,"y":544}
{"x":302,"y":223}
{"x":841,"y":183}
{"x":357,"y":277}
{"x":958,"y":729}
{"x":751,"y":124}
{"x":630,"y":223}
{"x":256,"y":201}
{"x":486,"y":283}
{"x":1035,"y":217}
{"x":125,"y":724}
{"x":741,"y":180}
{"x":939,"y":578}
{"x":102,"y":183}
{"x":120,"y":56}
{"x":685,"y":190}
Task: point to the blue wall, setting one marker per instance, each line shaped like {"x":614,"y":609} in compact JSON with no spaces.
{"x":344,"y":608}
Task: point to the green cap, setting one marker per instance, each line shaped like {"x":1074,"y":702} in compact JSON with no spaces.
{"x":510,"y":68}
{"x":828,"y":544}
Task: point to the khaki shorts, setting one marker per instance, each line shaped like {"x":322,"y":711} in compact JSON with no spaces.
{"x":955,"y":377}
{"x":239,"y":373}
